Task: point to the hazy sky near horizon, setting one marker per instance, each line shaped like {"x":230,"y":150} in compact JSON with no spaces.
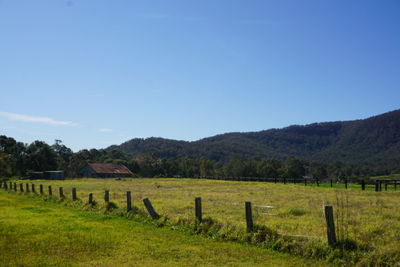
{"x":99,"y":72}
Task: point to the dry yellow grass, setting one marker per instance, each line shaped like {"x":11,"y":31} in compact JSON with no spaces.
{"x":367,"y":216}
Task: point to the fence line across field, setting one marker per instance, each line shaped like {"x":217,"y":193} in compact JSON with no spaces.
{"x":328,"y":210}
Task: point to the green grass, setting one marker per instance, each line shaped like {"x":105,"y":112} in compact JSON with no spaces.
{"x":46,"y":233}
{"x":370,"y":219}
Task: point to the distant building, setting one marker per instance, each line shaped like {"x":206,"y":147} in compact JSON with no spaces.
{"x":47,"y":175}
{"x":105,"y":170}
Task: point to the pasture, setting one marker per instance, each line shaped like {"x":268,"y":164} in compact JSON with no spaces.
{"x":44,"y":233}
{"x":370,"y":219}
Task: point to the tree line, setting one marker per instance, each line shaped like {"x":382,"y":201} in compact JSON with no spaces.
{"x":19,"y":159}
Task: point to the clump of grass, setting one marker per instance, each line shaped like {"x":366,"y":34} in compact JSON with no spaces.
{"x":296,"y":212}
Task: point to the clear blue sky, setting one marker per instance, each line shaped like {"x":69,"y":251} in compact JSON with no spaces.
{"x":99,"y":72}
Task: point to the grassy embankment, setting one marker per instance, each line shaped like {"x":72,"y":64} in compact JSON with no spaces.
{"x":46,"y":233}
{"x":369,"y":218}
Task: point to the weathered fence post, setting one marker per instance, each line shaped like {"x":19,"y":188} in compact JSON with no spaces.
{"x":11,"y":186}
{"x":284,"y":180}
{"x":198,"y":210}
{"x":21,"y":187}
{"x":363,"y":185}
{"x":91,"y":198}
{"x":380,"y":185}
{"x":305,"y":181}
{"x":386,"y":185}
{"x":317,"y":180}
{"x":15,"y":187}
{"x":61,"y":192}
{"x":331,"y":183}
{"x":106,"y":196}
{"x":74,"y":194}
{"x":249,"y":217}
{"x":128,"y":201}
{"x":376,"y":186}
{"x":27,"y":187}
{"x":395,"y":185}
{"x":33,"y":188}
{"x":330,"y":225}
{"x":150,"y":209}
{"x":50,"y":191}
{"x":275,"y":180}
{"x":41,"y":189}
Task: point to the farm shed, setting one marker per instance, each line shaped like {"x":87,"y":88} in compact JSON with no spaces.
{"x":105,"y":170}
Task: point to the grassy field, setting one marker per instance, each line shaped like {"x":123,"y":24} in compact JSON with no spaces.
{"x":371,"y":219}
{"x":38,"y":233}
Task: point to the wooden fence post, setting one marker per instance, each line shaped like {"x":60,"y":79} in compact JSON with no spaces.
{"x":150,"y":209}
{"x":11,"y":186}
{"x":27,"y":187}
{"x":395,"y":185}
{"x":386,"y":185}
{"x":50,"y":191}
{"x":41,"y":189}
{"x":305,"y":181}
{"x":330,"y":225}
{"x":380,"y":185}
{"x":284,"y":180}
{"x":74,"y":194}
{"x":345,"y":183}
{"x":317,"y":180}
{"x":198,"y":210}
{"x":128,"y":201}
{"x":21,"y":187}
{"x":33,"y":188}
{"x":106,"y":196}
{"x":363,"y":185}
{"x":331,"y":183}
{"x":376,"y":186}
{"x":91,"y":198}
{"x":275,"y":180}
{"x":61,"y":192}
{"x":15,"y":187}
{"x":249,"y":217}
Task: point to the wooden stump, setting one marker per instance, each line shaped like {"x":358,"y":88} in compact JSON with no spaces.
{"x":330,"y":225}
{"x":249,"y":217}
{"x":128,"y":201}
{"x":106,"y":196}
{"x":198,"y":210}
{"x":150,"y":209}
{"x":74,"y":194}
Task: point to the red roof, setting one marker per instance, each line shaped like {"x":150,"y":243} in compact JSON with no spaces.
{"x":110,"y":168}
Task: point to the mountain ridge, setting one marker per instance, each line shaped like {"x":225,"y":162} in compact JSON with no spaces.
{"x":376,"y":138}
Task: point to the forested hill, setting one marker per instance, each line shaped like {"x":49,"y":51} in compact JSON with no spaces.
{"x":376,"y":139}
